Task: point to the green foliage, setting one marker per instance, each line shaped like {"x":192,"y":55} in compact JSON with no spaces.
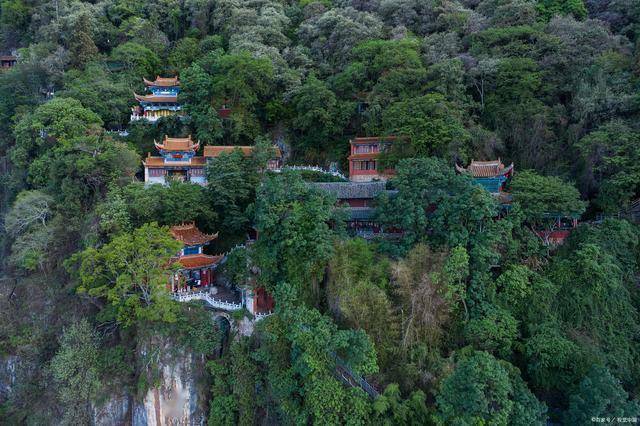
{"x":514,"y":288}
{"x":27,"y":222}
{"x":300,"y":349}
{"x":81,"y":44}
{"x":234,"y":387}
{"x":136,"y":204}
{"x":232,"y":182}
{"x":196,"y":90}
{"x":58,"y":121}
{"x":184,"y":53}
{"x":600,"y":395}
{"x":594,"y":302}
{"x":318,"y":114}
{"x":131,"y":273}
{"x":75,"y":371}
{"x":197,"y":331}
{"x":542,"y":196}
{"x":318,"y":176}
{"x":136,"y":59}
{"x":390,"y":409}
{"x":429,"y":290}
{"x":223,"y":405}
{"x":483,"y":390}
{"x":541,"y":83}
{"x":98,"y":91}
{"x":382,"y":72}
{"x":238,"y":80}
{"x":619,"y":238}
{"x":433,"y":125}
{"x":494,"y":332}
{"x":554,"y":361}
{"x":14,"y":19}
{"x":235,"y":266}
{"x":356,"y":293}
{"x":549,"y":8}
{"x":78,"y":174}
{"x":612,"y":153}
{"x":436,"y":204}
{"x":295,"y":241}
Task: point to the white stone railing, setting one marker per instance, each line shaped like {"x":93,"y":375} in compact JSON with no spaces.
{"x":262,"y":315}
{"x":150,"y":118}
{"x":207,"y":297}
{"x":313,"y":169}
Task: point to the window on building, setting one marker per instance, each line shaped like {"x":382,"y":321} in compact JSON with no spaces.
{"x":197,"y":172}
{"x":365,"y":165}
{"x":191,"y":250}
{"x":367,"y":149}
{"x":156,"y":172}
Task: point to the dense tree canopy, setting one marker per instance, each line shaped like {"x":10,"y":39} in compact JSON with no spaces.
{"x":131,"y":273}
{"x":461,"y":310}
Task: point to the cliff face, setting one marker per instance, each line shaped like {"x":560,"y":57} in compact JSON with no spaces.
{"x":177,"y":399}
{"x":177,"y":396}
{"x":8,"y":374}
{"x":116,"y":411}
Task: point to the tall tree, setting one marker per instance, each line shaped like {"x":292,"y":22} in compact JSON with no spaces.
{"x":233,"y":179}
{"x":433,"y":125}
{"x":482,"y":389}
{"x":27,"y":222}
{"x":434,"y":203}
{"x":81,"y":44}
{"x":57,"y":121}
{"x":294,"y":238}
{"x":600,"y":395}
{"x":545,"y":199}
{"x":75,"y":371}
{"x":612,"y":155}
{"x":131,"y":274}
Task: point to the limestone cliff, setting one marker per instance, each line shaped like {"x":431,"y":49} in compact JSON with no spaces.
{"x":8,"y":373}
{"x":177,"y":396}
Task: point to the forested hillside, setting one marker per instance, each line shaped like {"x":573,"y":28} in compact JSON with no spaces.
{"x":463,"y":307}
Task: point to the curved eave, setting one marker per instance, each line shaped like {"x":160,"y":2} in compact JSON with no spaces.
{"x":507,"y":170}
{"x":154,"y":84}
{"x":157,"y":100}
{"x":160,"y":146}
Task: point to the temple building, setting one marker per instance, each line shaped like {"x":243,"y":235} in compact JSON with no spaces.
{"x":196,"y":268}
{"x":162,"y":102}
{"x":363,"y":161}
{"x":214,"y":151}
{"x":358,"y":199}
{"x":8,"y":61}
{"x":491,"y":175}
{"x":225,"y":110}
{"x":177,"y":160}
{"x":558,"y":228}
{"x":196,"y":278}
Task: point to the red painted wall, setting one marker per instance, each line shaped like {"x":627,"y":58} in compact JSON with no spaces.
{"x":357,"y":202}
{"x":264,"y":301}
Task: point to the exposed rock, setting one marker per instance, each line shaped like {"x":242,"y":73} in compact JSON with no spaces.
{"x":178,"y":399}
{"x":245,"y":326}
{"x":8,"y":373}
{"x":114,"y":412}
